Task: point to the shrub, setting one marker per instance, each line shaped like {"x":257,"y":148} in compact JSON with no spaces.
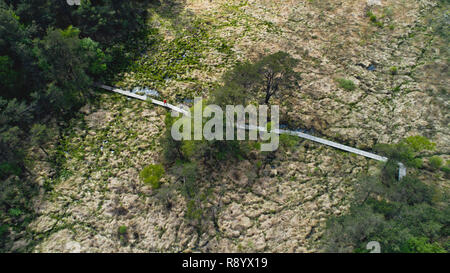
{"x":446,"y":169}
{"x":3,"y":229}
{"x":194,"y":212}
{"x":422,"y":245}
{"x":171,"y":147}
{"x":436,"y":162}
{"x":8,"y":169}
{"x":152,"y":175}
{"x":188,"y":172}
{"x":419,"y":143}
{"x":374,"y":20}
{"x":288,"y":141}
{"x":402,"y":216}
{"x":258,"y":164}
{"x":123,"y":235}
{"x":122,"y":230}
{"x":15,"y":212}
{"x":394,"y":70}
{"x":372,"y":17}
{"x":345,"y":84}
{"x":164,"y":195}
{"x":411,"y":191}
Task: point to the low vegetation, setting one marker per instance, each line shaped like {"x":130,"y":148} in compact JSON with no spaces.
{"x":346,"y":84}
{"x":436,"y":162}
{"x":152,"y":175}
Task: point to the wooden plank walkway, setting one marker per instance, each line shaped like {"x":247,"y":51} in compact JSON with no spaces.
{"x":402,"y":168}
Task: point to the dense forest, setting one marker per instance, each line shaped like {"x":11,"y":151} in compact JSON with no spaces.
{"x":51,"y":53}
{"x":406,"y":216}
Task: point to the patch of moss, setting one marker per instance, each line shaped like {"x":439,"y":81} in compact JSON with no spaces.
{"x":345,"y":84}
{"x":152,"y":175}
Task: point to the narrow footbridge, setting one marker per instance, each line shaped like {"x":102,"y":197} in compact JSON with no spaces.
{"x":402,"y":168}
{"x":144,"y":98}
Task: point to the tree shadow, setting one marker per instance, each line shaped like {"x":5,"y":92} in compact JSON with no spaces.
{"x":169,"y":8}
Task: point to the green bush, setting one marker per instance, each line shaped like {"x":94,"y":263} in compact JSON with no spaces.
{"x":258,"y":164}
{"x":15,"y":212}
{"x":446,"y":169}
{"x":419,"y":143}
{"x":194,"y":212}
{"x":372,"y":17}
{"x":436,"y":162}
{"x":407,"y":150}
{"x":171,"y":147}
{"x":288,"y":141}
{"x":374,"y":20}
{"x":394,"y":70}
{"x":421,"y":245}
{"x":379,"y":24}
{"x":403,"y":216}
{"x":123,"y":234}
{"x":152,"y":175}
{"x":3,"y":229}
{"x":345,"y":84}
{"x":8,"y":169}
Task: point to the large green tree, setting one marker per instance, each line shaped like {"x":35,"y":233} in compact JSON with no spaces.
{"x":271,"y":76}
{"x":66,"y":62}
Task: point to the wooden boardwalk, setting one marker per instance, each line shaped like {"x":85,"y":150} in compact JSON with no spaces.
{"x":402,"y":168}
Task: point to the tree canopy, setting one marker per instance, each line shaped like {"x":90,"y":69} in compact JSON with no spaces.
{"x":272,"y":75}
